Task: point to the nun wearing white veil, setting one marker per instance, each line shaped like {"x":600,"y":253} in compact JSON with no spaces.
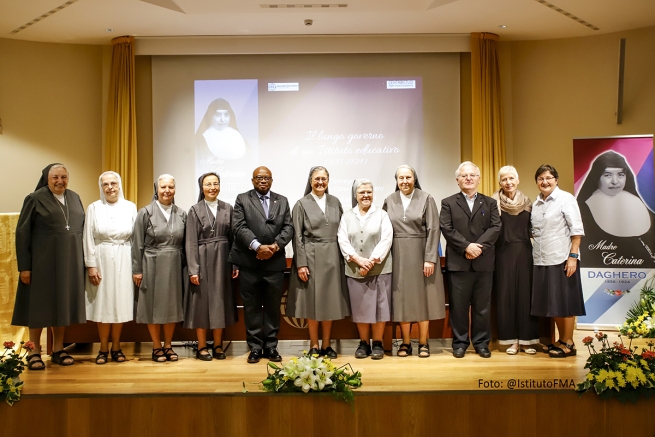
{"x":108,"y":259}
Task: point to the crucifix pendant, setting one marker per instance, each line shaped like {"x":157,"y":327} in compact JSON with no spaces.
{"x":404,"y":218}
{"x":212,"y":232}
{"x":68,"y":228}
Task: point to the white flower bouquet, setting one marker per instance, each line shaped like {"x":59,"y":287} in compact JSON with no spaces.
{"x":311,"y":373}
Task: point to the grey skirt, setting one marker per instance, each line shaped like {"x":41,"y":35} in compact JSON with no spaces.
{"x":370,"y":298}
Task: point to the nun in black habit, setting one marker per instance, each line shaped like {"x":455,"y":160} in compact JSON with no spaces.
{"x":50,"y":259}
{"x":209,"y":304}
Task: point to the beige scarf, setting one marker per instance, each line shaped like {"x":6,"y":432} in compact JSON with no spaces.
{"x":514,"y":206}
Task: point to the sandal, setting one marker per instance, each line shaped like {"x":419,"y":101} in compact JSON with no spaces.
{"x":404,"y":350}
{"x":61,"y":359}
{"x":170,"y":354}
{"x":513,"y":349}
{"x":158,"y":354}
{"x":423,"y":350}
{"x":102,"y":357}
{"x":203,"y":357}
{"x":219,"y":355}
{"x":33,"y":360}
{"x":558,"y":352}
{"x":529,"y":350}
{"x":118,"y":356}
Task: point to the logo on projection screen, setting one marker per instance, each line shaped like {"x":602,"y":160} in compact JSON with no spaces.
{"x":401,"y":84}
{"x":284,"y":86}
{"x":293,"y":321}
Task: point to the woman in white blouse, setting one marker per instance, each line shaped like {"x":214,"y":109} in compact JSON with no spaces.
{"x":107,"y":257}
{"x":556,"y":284}
{"x":365,"y":235}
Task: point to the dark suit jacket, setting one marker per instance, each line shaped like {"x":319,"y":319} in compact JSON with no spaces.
{"x":461,"y":227}
{"x":249,"y":223}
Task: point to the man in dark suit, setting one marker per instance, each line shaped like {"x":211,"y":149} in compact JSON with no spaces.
{"x":470,"y":223}
{"x":262,"y":228}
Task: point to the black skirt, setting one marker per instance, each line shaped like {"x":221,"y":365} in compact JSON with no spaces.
{"x":556,"y":295}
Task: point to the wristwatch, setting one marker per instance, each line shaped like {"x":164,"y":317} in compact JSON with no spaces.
{"x":574,"y":255}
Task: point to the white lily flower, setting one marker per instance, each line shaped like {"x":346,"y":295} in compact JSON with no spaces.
{"x":306,"y":380}
{"x":323,"y":379}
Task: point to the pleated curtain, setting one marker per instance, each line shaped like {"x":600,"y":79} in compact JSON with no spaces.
{"x":120,"y":141}
{"x":488,"y":135}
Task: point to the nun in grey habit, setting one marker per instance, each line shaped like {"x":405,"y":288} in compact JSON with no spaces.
{"x":209,"y":304}
{"x":417,"y":282}
{"x":317,"y":286}
{"x":157,"y":266}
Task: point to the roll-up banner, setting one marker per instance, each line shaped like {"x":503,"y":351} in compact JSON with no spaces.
{"x":615,"y":189}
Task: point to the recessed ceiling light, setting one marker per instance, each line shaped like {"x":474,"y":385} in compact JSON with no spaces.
{"x":109,"y":30}
{"x":502,"y":26}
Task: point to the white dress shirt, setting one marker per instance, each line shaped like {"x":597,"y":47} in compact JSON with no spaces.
{"x":554,"y":220}
{"x":470,"y":200}
{"x":381,"y":249}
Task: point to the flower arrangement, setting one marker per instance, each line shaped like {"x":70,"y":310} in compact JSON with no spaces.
{"x":639,"y":319}
{"x":617,"y":293}
{"x":11,"y":366}
{"x":618,"y":371}
{"x":311,"y":373}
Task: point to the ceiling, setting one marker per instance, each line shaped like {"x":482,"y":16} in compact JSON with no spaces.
{"x":87,"y":21}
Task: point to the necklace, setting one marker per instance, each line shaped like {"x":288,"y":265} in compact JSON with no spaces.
{"x":66,"y":214}
{"x":212,"y":223}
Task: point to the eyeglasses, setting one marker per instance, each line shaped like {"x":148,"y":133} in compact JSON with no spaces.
{"x":547,"y":178}
{"x":210,"y":185}
{"x":469,"y":176}
{"x":262,"y":178}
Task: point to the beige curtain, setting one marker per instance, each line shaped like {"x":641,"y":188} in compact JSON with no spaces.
{"x":120,"y":145}
{"x":9,"y":281}
{"x":488,"y":135}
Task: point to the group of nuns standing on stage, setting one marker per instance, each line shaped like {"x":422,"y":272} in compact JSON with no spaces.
{"x":342,"y":265}
{"x":120,"y":248}
{"x":374,"y":264}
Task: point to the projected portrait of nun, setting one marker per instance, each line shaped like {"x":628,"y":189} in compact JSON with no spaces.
{"x":219,"y":133}
{"x":617,"y":221}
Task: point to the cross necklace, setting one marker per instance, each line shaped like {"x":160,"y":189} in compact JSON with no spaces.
{"x":212,"y":223}
{"x":66,"y":214}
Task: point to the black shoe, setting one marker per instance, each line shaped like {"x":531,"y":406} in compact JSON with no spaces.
{"x":203,"y":357}
{"x":363,"y":350}
{"x":314,"y":351}
{"x":218,"y":353}
{"x":329,"y":353}
{"x":255,"y":355}
{"x":377,"y":352}
{"x":484,"y":352}
{"x":272,"y":354}
{"x":459,"y":352}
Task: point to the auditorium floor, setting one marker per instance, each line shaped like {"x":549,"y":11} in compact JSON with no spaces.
{"x":440,"y":372}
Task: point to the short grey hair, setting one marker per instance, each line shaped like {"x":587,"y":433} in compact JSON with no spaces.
{"x":56,"y":166}
{"x":463,"y":164}
{"x":165,"y":176}
{"x":508,"y":169}
{"x":364,"y":182}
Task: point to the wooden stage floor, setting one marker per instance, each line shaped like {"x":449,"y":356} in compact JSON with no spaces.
{"x":441,"y":372}
{"x":440,"y":395}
